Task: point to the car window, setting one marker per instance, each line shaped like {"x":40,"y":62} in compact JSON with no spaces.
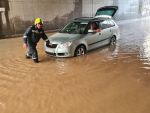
{"x":107,"y":24}
{"x":104,"y":25}
{"x":111,"y":23}
{"x":74,"y":28}
{"x":96,"y":23}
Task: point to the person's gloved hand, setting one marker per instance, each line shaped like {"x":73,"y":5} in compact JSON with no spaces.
{"x":47,"y":43}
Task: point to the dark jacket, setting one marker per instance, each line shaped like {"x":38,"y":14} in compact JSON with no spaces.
{"x":33,"y":35}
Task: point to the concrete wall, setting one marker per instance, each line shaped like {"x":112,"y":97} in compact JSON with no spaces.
{"x":17,"y":15}
{"x":22,"y":13}
{"x":90,"y":6}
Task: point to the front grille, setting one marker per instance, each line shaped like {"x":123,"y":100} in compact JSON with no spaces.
{"x":52,"y":54}
{"x":52,"y":45}
{"x":61,"y":54}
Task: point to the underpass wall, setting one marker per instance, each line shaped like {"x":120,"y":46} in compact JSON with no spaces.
{"x":22,"y":13}
{"x":17,"y":15}
{"x":128,"y":9}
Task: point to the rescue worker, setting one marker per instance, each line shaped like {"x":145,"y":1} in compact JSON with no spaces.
{"x":32,"y":36}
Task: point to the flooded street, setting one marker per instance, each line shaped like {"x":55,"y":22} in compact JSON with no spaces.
{"x":106,"y":80}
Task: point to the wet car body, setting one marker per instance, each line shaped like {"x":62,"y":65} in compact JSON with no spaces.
{"x":76,"y":38}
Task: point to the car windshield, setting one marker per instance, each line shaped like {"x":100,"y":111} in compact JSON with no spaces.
{"x":74,"y":28}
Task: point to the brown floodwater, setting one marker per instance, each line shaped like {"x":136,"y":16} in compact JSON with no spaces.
{"x":106,"y":80}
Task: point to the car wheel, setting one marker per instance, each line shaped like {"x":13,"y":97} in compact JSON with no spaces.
{"x":80,"y":50}
{"x":113,"y":41}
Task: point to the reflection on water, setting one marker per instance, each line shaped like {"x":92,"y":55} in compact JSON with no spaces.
{"x":106,"y":80}
{"x":113,"y":52}
{"x":145,"y":47}
{"x":135,"y":38}
{"x":61,"y":66}
{"x":145,"y":53}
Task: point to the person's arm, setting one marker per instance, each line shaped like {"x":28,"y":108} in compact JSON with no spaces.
{"x":97,"y":30}
{"x":26,"y":35}
{"x":45,"y":38}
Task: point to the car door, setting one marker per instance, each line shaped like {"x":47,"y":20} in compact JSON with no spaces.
{"x":92,"y":39}
{"x":105,"y":33}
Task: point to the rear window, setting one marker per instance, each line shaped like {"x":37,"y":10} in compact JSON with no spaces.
{"x":104,"y":24}
{"x":107,"y":24}
{"x":105,"y":12}
{"x":111,"y":23}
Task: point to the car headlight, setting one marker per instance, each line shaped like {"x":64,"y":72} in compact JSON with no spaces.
{"x":64,"y":45}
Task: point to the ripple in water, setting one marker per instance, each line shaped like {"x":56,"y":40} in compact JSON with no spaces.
{"x":145,"y":52}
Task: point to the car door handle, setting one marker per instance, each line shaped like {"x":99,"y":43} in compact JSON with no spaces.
{"x":99,"y":33}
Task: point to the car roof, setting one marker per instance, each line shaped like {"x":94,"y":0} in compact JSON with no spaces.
{"x":88,"y":19}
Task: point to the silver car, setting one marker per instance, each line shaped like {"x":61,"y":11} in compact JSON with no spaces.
{"x":78,"y":37}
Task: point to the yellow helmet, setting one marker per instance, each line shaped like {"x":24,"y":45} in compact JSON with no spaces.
{"x":38,"y":21}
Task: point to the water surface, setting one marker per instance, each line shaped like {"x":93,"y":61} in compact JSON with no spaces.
{"x":106,"y":80}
